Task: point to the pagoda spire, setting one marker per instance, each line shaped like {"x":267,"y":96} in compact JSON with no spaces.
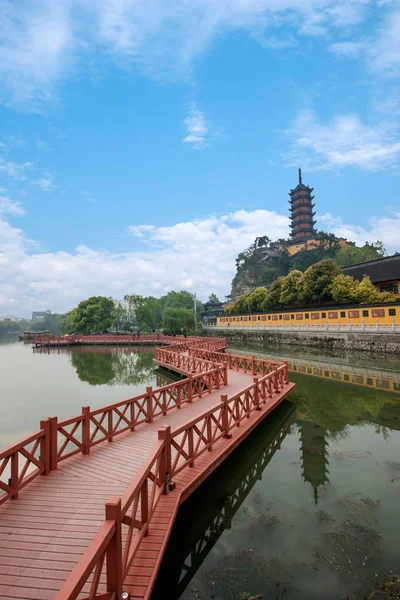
{"x":302,"y":215}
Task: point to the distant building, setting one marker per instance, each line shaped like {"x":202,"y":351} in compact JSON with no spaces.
{"x":40,"y":314}
{"x":211,"y":310}
{"x":302,"y":215}
{"x":10,"y":319}
{"x":384,"y":272}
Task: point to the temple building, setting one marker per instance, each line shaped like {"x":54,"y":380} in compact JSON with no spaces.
{"x":302,"y":215}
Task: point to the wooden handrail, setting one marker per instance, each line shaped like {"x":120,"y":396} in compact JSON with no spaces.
{"x":188,"y":441}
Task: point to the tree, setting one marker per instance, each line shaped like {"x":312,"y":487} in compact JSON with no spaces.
{"x":143,"y":311}
{"x":387,"y":297}
{"x":119,"y":315}
{"x":318,"y":281}
{"x":92,"y":315}
{"x":366,"y":292}
{"x":274,"y":295}
{"x":176,"y":319}
{"x":349,"y":254}
{"x":292,"y":289}
{"x":255,"y":300}
{"x":343,"y":289}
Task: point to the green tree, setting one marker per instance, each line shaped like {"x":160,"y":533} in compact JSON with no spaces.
{"x":351,"y":254}
{"x":318,"y":281}
{"x":387,"y":297}
{"x":119,"y":316}
{"x":343,"y":289}
{"x":292,"y":289}
{"x":255,"y":300}
{"x":92,"y":315}
{"x":366,"y":292}
{"x":176,"y":319}
{"x":273,"y":299}
{"x":143,"y":311}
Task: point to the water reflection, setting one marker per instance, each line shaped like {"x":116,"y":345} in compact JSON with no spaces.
{"x":98,"y":365}
{"x":318,"y":519}
{"x":193,"y":538}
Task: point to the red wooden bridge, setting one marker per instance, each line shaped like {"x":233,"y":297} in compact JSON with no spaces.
{"x":88,"y":503}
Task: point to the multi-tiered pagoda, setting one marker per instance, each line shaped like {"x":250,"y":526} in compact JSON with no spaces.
{"x":302,"y":215}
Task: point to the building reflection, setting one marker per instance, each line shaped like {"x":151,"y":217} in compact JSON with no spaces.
{"x":314,"y":455}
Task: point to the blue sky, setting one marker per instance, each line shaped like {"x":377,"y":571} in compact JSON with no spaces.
{"x":143,"y":144}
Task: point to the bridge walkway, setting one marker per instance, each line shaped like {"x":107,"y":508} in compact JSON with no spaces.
{"x":54,"y":541}
{"x":44,"y":533}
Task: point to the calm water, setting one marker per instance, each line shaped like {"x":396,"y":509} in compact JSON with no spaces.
{"x":36,"y":384}
{"x":307,"y":508}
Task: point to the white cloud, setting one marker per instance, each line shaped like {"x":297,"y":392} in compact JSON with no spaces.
{"x":343,"y":142}
{"x":197,"y":130}
{"x":41,"y":43}
{"x":383,"y":228}
{"x":198,"y":255}
{"x":15,"y":170}
{"x":381,"y":49}
{"x":8,"y":206}
{"x":45,"y":184}
{"x":42,"y":145}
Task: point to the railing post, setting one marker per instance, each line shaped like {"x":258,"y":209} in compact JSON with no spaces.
{"x":86,"y":430}
{"x":286,"y":371}
{"x":164,"y":434}
{"x":45,"y":446}
{"x":132,"y":416}
{"x":225,"y":417}
{"x":256,"y":394}
{"x":114,"y":550}
{"x":144,"y":506}
{"x":225,"y":374}
{"x":276,"y":381}
{"x":190,"y":391}
{"x":14,"y":476}
{"x":253,"y":370}
{"x":53,"y":442}
{"x":110,"y":425}
{"x":191,"y":447}
{"x":149,"y":392}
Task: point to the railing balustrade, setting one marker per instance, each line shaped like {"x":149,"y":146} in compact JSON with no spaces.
{"x":174,"y":452}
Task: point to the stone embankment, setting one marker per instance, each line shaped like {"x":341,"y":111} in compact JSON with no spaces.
{"x":383,"y":343}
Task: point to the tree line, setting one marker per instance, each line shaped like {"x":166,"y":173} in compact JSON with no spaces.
{"x":175,"y":312}
{"x":321,"y":283}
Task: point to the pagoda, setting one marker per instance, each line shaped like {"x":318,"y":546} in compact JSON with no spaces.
{"x":302,"y":215}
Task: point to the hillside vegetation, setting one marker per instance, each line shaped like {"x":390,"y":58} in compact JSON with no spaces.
{"x":321,"y":283}
{"x":254,"y":270}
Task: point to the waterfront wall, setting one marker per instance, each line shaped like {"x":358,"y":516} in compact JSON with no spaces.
{"x":383,"y":343}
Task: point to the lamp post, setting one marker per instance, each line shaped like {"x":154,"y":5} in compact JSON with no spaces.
{"x":195,"y":311}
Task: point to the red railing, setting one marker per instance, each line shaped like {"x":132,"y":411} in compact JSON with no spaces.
{"x":127,"y":522}
{"x":183,"y":362}
{"x":246,"y":364}
{"x":173,"y":453}
{"x":23,"y":462}
{"x":175,"y":341}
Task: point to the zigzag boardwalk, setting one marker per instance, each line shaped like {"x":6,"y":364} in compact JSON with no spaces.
{"x":149,"y":453}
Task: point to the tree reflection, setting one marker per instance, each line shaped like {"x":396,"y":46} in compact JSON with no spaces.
{"x":334,"y":405}
{"x":113,"y":366}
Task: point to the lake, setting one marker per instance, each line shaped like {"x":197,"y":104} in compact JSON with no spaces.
{"x":307,"y":508}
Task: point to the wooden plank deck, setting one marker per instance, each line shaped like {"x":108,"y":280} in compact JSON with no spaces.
{"x":154,"y":545}
{"x":45,"y":534}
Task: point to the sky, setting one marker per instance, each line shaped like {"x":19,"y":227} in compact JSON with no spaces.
{"x":145,"y":143}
